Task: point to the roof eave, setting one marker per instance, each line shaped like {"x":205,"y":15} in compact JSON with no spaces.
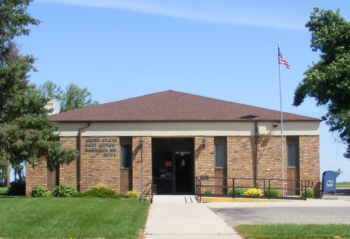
{"x":178,"y":121}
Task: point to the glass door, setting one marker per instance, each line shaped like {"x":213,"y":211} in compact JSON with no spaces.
{"x":172,"y":166}
{"x":183,"y":172}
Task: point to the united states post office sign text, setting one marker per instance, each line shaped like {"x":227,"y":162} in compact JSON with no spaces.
{"x":107,"y":146}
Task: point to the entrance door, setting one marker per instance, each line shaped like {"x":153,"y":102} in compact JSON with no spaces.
{"x":183,"y":172}
{"x":173,"y":169}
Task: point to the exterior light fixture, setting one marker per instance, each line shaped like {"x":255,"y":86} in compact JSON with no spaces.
{"x":141,"y":147}
{"x":141,"y":143}
{"x":275,"y":125}
{"x":204,"y":141}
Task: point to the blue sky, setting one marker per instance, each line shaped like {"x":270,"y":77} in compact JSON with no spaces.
{"x":224,"y":49}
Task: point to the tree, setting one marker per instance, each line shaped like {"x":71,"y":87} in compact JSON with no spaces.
{"x":26,"y":133}
{"x":74,"y":97}
{"x":328,"y":80}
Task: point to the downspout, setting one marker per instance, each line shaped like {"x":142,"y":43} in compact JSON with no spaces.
{"x":256,"y":153}
{"x":79,"y":159}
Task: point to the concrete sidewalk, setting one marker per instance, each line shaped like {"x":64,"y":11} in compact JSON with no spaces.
{"x":182,"y":217}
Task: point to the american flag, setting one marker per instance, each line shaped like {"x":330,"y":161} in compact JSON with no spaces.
{"x":282,"y":60}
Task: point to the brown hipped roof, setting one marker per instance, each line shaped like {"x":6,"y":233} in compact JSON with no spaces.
{"x":173,"y":106}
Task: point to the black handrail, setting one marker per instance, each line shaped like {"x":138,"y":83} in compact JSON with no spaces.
{"x":303,"y":185}
{"x":152,"y":191}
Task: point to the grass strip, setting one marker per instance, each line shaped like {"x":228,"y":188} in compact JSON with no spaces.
{"x":71,"y":217}
{"x":343,"y":185}
{"x":3,"y":190}
{"x":295,"y":231}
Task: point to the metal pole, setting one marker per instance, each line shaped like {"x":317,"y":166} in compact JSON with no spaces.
{"x":279,"y":71}
{"x":141,"y":146}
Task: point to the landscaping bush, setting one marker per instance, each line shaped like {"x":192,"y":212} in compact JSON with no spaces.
{"x":208,"y":192}
{"x":254,"y":192}
{"x":99,"y":185}
{"x":40,"y":191}
{"x":17,"y":189}
{"x":64,"y":191}
{"x":133,"y":194}
{"x":238,"y":191}
{"x":78,"y":195}
{"x":308,"y":193}
{"x":101,"y":192}
{"x":272,"y":192}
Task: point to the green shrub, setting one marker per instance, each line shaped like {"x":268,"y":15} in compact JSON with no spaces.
{"x":254,"y":192}
{"x":78,"y":195}
{"x":133,"y":194}
{"x":208,"y":192}
{"x":40,"y":191}
{"x":17,"y":189}
{"x":102,"y":192}
{"x":272,"y":192}
{"x":308,"y":193}
{"x":99,"y":185}
{"x":64,"y":191}
{"x":238,"y":191}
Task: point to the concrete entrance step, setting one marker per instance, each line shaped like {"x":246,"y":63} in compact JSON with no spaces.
{"x":174,"y":199}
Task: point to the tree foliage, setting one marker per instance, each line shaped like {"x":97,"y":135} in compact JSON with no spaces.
{"x":26,"y":133}
{"x":328,"y":80}
{"x":73,"y":98}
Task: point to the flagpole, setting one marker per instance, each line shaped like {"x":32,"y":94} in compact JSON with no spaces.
{"x":279,"y":71}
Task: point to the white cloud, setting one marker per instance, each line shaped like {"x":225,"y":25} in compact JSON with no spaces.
{"x":235,"y":14}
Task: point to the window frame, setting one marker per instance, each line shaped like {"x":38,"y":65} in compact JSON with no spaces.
{"x":220,"y":141}
{"x":296,"y":160}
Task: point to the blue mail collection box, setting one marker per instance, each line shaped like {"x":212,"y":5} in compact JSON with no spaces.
{"x":329,"y":180}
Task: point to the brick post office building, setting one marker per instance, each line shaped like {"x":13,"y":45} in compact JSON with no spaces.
{"x":184,"y":136}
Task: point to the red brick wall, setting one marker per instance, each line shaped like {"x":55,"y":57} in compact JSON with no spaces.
{"x":270,"y":164}
{"x":68,"y":173}
{"x":309,"y":160}
{"x":35,"y":176}
{"x":204,"y":159}
{"x":240,"y":159}
{"x":97,"y":168}
{"x":269,"y":160}
{"x":136,"y":164}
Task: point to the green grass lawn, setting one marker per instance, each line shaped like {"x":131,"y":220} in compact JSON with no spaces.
{"x":71,"y":217}
{"x":3,"y":190}
{"x":343,"y":185}
{"x":275,"y":231}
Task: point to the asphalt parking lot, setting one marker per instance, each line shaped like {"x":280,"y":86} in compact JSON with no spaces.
{"x":303,"y":212}
{"x":315,"y":215}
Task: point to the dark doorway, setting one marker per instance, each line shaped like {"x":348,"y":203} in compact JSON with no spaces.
{"x":173,"y":166}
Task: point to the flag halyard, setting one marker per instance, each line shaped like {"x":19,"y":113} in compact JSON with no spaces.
{"x":282,"y":60}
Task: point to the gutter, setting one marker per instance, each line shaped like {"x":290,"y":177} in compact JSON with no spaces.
{"x":79,"y":159}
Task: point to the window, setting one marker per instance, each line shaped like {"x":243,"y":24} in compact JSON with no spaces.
{"x":125,"y":153}
{"x":220,"y":155}
{"x":293,"y":152}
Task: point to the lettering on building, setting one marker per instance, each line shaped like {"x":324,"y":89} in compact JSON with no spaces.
{"x":107,"y":146}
